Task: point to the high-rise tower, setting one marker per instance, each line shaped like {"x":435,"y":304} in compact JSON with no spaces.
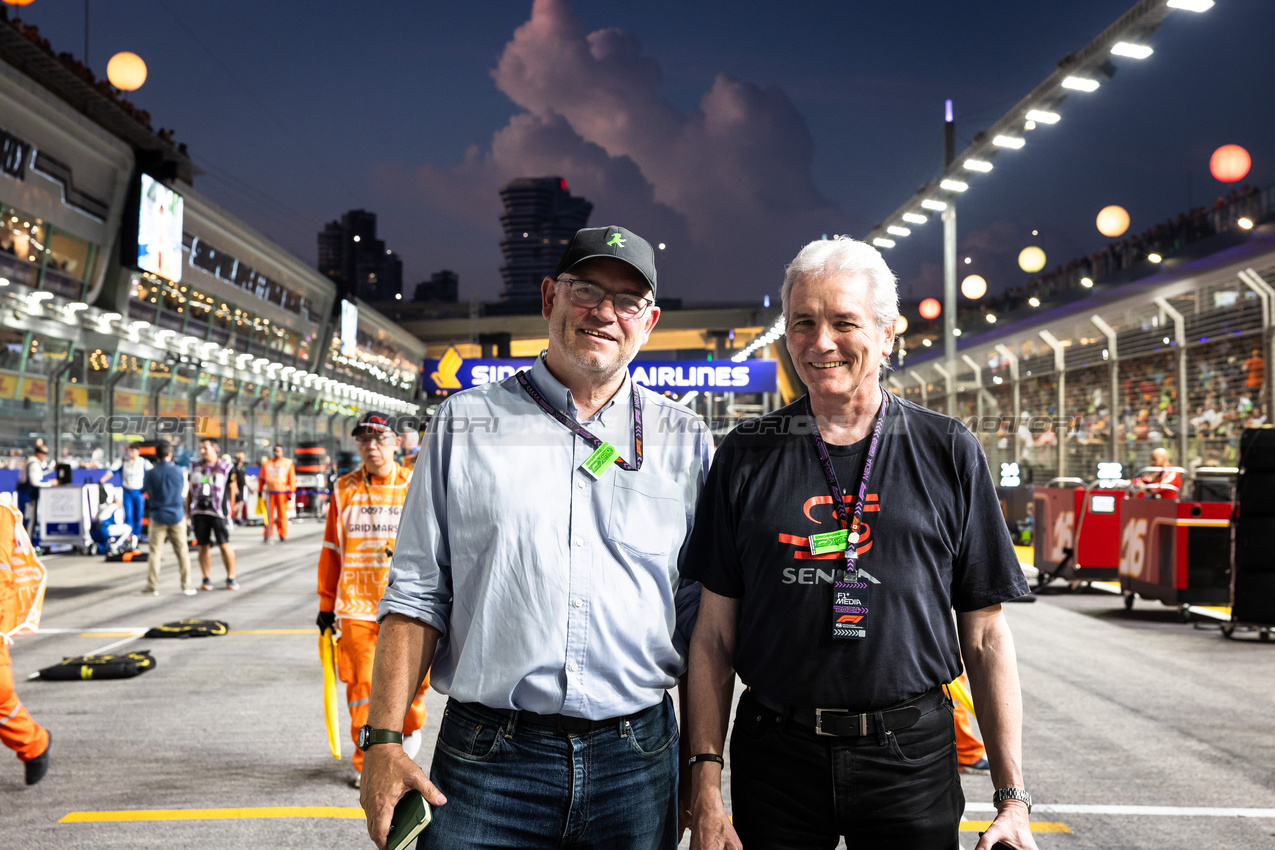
{"x":540,"y":218}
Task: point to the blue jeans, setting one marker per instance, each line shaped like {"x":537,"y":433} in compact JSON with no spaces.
{"x":133,"y":506}
{"x":522,"y":787}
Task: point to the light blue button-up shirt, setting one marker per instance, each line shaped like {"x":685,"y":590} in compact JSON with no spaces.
{"x":554,"y":592}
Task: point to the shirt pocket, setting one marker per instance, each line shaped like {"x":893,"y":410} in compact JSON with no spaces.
{"x":647,"y":513}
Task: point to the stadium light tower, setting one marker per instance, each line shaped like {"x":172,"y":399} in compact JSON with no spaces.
{"x":1078,"y":74}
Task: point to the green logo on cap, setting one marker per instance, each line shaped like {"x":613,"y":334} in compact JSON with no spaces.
{"x":616,"y":239}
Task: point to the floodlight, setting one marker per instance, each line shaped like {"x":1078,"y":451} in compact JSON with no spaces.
{"x":1080,"y":84}
{"x":1133,"y":51}
{"x":1043,"y":116}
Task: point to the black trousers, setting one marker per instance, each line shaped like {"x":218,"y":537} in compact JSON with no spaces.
{"x":791,"y":788}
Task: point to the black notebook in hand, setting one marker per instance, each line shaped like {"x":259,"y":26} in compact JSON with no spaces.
{"x":411,"y":816}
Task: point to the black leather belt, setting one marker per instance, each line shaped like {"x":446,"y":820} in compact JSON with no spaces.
{"x":839,"y":722}
{"x":558,"y":723}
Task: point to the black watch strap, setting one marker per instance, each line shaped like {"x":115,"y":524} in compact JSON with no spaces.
{"x":369,"y":736}
{"x":709,"y":757}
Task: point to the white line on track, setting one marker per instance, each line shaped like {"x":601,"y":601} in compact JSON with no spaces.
{"x":110,"y":646}
{"x":138,"y":629}
{"x":1167,"y":811}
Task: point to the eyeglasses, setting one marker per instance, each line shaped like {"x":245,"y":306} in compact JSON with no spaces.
{"x":587,"y":294}
{"x":370,"y":439}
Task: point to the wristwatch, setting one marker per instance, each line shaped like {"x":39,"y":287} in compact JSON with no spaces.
{"x":1003,"y":794}
{"x":369,"y":736}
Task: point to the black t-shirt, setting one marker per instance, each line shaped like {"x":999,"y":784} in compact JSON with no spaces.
{"x":931,"y":532}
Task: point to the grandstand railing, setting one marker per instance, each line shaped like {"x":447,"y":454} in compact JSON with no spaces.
{"x":1187,"y":370}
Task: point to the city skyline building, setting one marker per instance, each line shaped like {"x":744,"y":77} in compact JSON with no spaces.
{"x":541,"y":215}
{"x":351,"y":255}
{"x":442,"y":286}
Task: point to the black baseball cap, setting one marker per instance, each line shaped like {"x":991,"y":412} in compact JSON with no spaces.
{"x":374,"y":422}
{"x":619,"y":243}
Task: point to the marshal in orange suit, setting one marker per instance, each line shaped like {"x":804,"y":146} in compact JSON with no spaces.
{"x":278,"y":481}
{"x":354,"y":566}
{"x":21,"y":596}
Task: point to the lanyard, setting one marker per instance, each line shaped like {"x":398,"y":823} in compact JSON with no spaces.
{"x":582,"y":432}
{"x":838,"y":504}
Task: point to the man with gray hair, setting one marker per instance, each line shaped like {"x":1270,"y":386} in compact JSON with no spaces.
{"x":833,"y":539}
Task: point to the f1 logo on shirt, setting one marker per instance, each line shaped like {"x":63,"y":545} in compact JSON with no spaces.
{"x":849,"y":618}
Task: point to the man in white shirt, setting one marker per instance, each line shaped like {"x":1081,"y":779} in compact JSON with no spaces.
{"x":132,"y":470}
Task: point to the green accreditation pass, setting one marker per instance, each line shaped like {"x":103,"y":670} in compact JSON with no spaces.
{"x":600,"y":461}
{"x":829,"y":541}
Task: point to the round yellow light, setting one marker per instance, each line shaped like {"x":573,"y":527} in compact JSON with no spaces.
{"x":901,"y":324}
{"x":974,"y":287}
{"x":1031,"y":259}
{"x":18,"y":2}
{"x":1113,"y":221}
{"x":126,"y":71}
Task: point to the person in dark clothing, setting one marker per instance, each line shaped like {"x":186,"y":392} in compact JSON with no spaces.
{"x":834,"y":538}
{"x":163,"y":486}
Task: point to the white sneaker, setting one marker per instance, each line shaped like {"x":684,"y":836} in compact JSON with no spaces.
{"x":190,"y":591}
{"x":412,"y":744}
{"x":358,"y":780}
{"x":145,"y":592}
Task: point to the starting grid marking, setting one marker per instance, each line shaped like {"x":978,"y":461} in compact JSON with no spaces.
{"x":339,"y":812}
{"x":129,"y":631}
{"x":1162,"y":811}
{"x":354,"y":813}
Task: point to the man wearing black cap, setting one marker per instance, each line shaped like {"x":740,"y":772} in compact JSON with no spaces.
{"x":537,"y":576}
{"x":363,"y":519}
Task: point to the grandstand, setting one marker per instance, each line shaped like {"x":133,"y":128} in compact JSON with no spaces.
{"x":1172,"y":354}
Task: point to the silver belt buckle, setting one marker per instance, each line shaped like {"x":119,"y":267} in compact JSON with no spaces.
{"x":863,"y":721}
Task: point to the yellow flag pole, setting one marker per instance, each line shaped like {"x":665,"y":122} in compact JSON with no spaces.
{"x":327,"y":657}
{"x":961,"y":693}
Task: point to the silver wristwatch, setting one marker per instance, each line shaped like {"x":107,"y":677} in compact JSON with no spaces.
{"x":1003,"y":794}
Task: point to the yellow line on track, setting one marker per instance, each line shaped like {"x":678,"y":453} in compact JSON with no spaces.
{"x":1037,"y":826}
{"x":216,"y":814}
{"x":232,"y":632}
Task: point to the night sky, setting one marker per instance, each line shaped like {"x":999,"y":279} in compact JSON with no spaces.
{"x":733,"y":132}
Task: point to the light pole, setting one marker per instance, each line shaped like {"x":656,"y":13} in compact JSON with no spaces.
{"x":949,"y":260}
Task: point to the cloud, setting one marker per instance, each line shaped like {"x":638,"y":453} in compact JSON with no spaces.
{"x":728,"y":186}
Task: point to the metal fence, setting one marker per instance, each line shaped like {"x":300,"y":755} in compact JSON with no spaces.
{"x":1186,"y":372}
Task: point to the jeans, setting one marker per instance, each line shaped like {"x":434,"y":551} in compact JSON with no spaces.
{"x":791,"y":788}
{"x":511,"y":786}
{"x":133,"y":505}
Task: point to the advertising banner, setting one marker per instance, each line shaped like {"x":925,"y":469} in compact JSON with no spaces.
{"x":676,"y":376}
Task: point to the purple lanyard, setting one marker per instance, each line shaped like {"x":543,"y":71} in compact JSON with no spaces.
{"x":582,"y":432}
{"x":838,"y":504}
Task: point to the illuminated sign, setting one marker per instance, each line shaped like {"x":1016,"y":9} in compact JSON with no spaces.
{"x":349,"y":328}
{"x":159,"y":230}
{"x":676,"y":376}
{"x":1110,"y":471}
{"x":1010,"y":475}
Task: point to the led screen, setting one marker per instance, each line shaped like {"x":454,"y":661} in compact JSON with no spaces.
{"x":159,"y":230}
{"x":1102,"y":504}
{"x":349,"y":328}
